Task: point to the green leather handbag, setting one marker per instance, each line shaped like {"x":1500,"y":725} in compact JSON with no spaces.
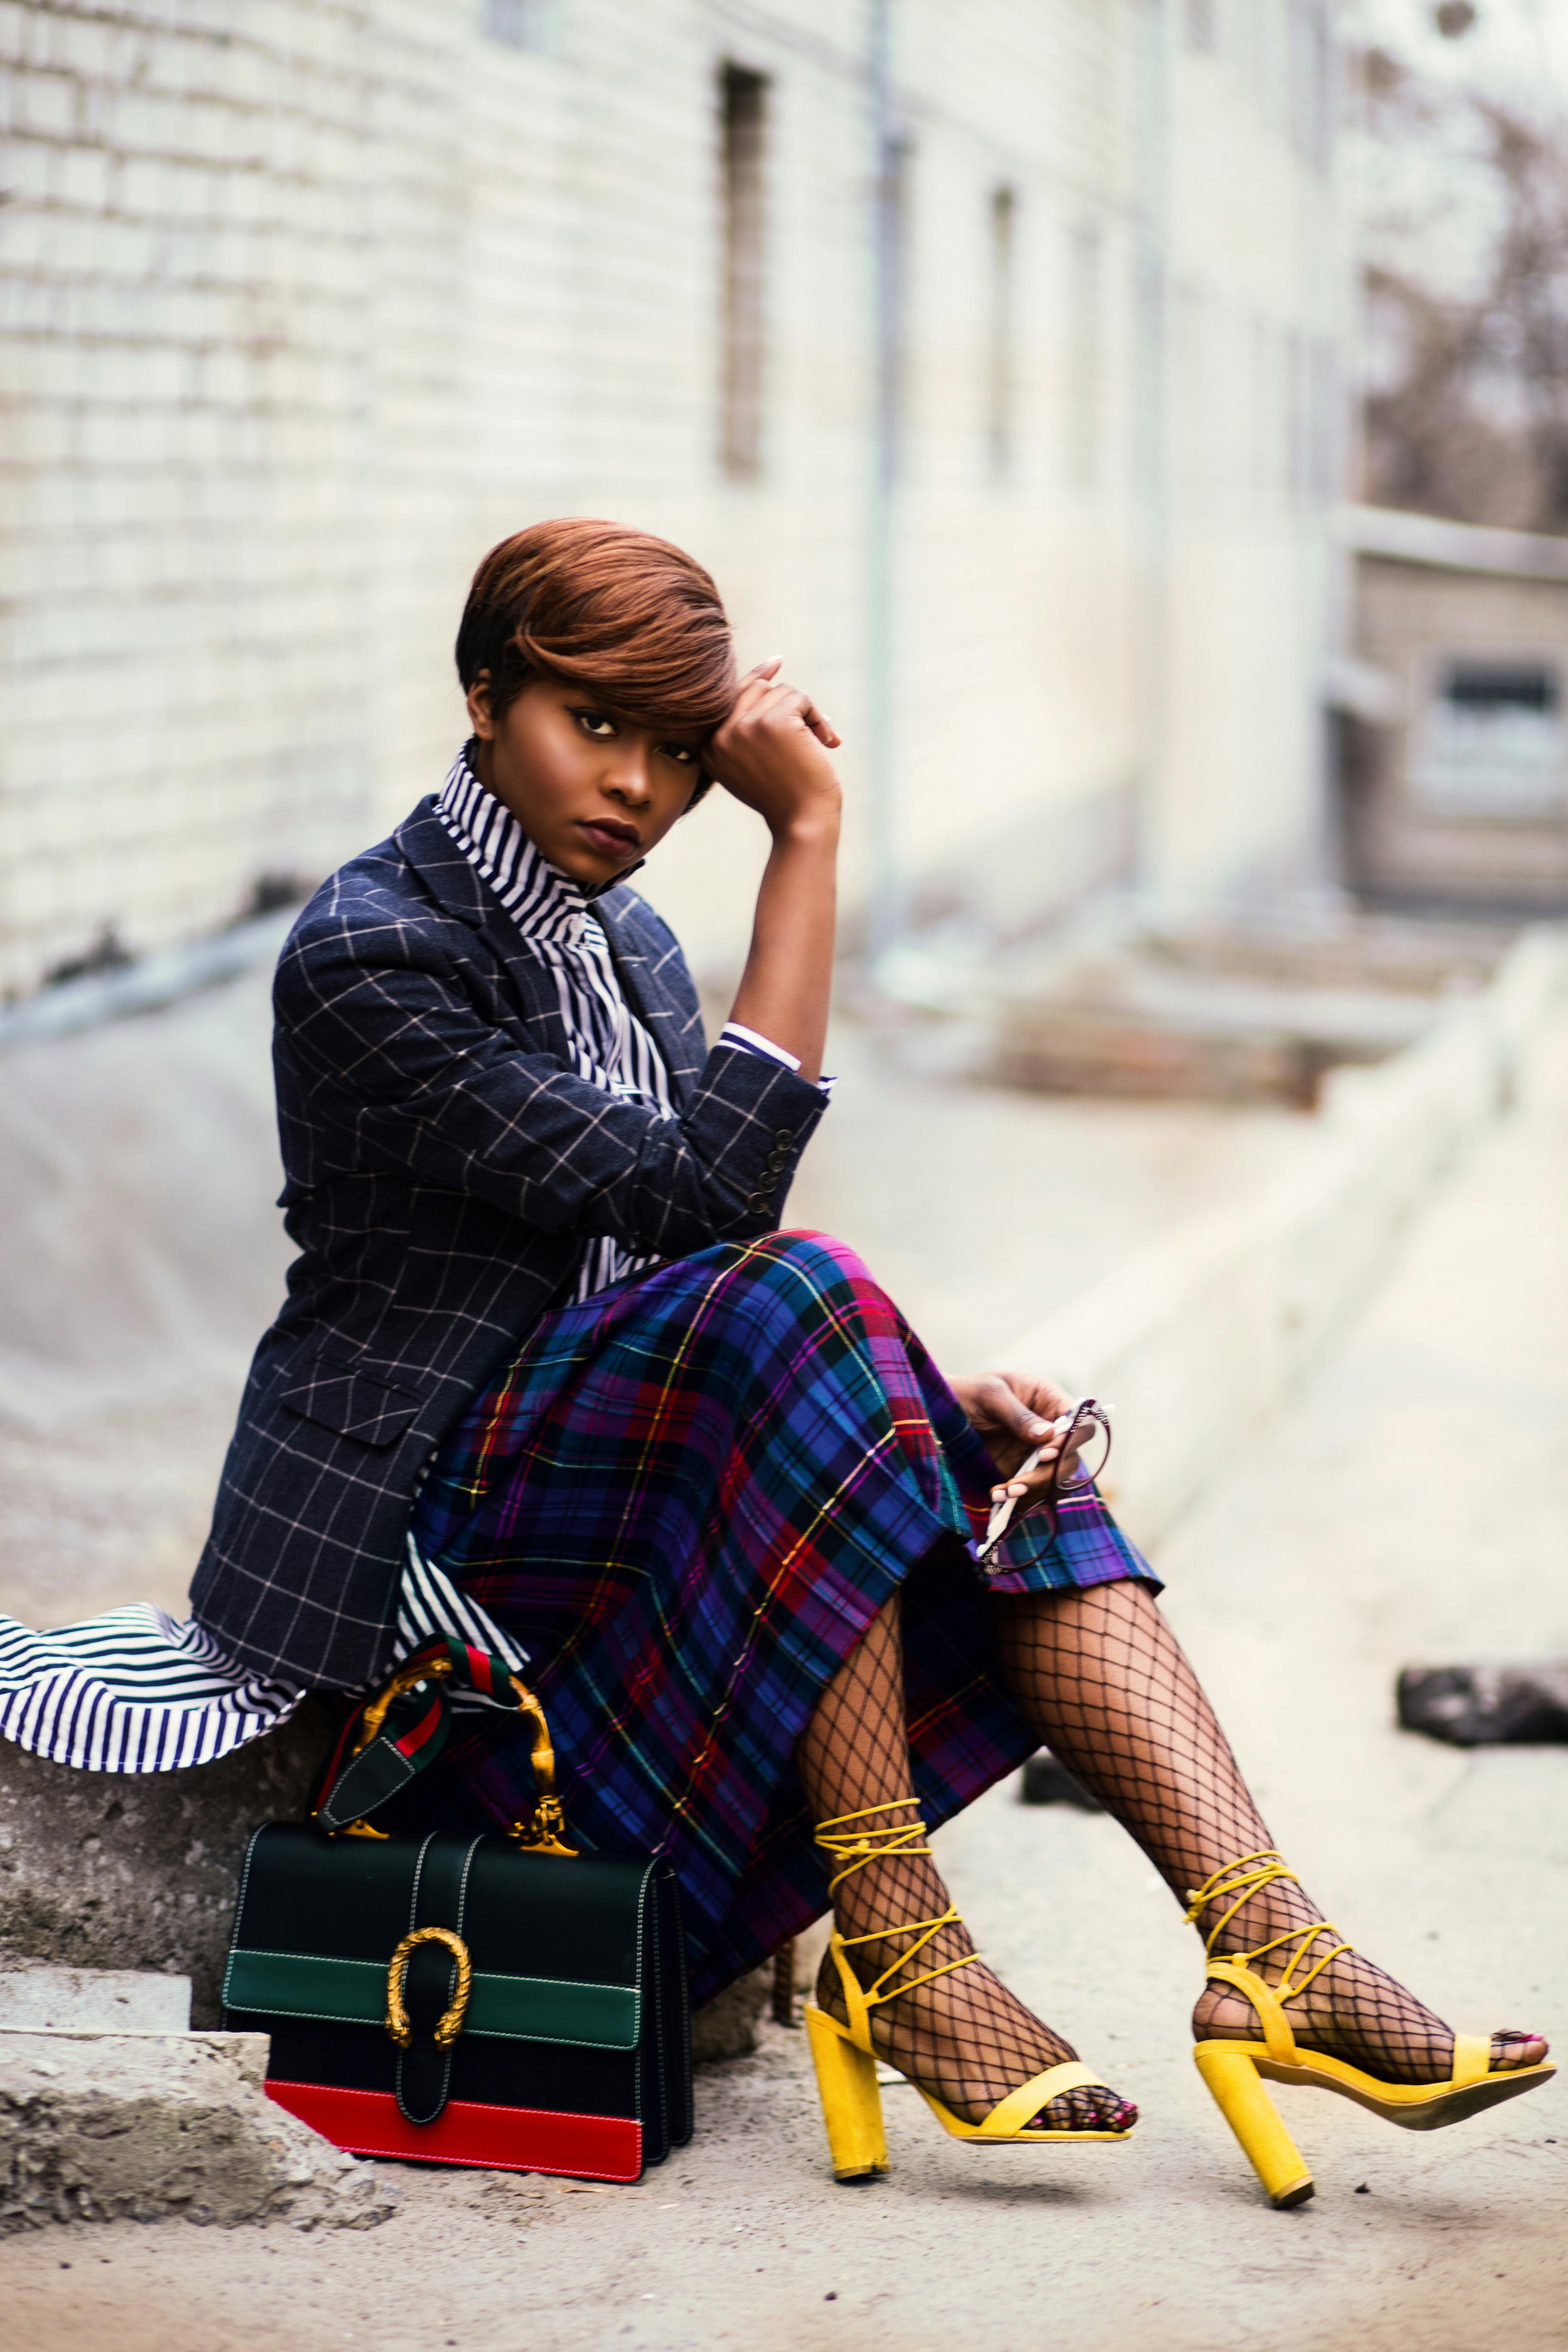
{"x":502,"y":2001}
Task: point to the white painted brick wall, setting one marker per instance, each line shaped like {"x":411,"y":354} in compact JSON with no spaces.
{"x":304,"y":304}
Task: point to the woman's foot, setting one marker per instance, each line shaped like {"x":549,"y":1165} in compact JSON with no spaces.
{"x":964,"y":2037}
{"x":1357,"y":2012}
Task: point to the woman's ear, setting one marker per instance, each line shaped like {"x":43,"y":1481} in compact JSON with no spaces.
{"x":479,"y":709}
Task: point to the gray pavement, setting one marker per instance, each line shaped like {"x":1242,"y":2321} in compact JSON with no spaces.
{"x":1413,"y":1505}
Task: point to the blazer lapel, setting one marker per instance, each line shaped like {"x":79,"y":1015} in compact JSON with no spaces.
{"x":463,"y":891}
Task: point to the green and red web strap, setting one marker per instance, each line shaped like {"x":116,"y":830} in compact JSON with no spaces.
{"x":412,"y":1732}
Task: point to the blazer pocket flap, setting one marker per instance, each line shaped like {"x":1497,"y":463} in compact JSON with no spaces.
{"x":352,"y":1404}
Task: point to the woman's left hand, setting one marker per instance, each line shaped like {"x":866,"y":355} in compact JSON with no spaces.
{"x":1014,"y":1414}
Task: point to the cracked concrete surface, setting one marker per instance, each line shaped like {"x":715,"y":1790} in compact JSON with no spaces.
{"x":97,"y":2126}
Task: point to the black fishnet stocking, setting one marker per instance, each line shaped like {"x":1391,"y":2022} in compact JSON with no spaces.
{"x":1103,"y":1681}
{"x":964,"y":2037}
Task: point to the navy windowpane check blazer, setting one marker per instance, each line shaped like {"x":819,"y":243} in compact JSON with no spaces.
{"x":443,"y":1164}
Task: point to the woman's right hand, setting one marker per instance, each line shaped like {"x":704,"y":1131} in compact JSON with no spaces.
{"x":771,"y":753}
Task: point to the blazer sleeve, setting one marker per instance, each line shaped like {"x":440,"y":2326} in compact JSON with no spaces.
{"x":408,"y":1072}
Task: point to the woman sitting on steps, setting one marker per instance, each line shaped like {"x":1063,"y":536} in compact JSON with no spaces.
{"x":549,"y":1375}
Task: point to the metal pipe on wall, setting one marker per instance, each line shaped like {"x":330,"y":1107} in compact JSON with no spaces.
{"x":883,"y":898}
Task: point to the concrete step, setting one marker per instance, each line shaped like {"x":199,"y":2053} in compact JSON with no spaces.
{"x":153,"y":2126}
{"x":93,"y":2000}
{"x":104,"y":1872}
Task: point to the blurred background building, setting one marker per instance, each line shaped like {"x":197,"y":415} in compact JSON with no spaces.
{"x":990,"y":355}
{"x":1454,"y":758}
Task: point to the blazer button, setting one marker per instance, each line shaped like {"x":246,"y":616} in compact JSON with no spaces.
{"x":784,"y":1135}
{"x":758,"y":1201}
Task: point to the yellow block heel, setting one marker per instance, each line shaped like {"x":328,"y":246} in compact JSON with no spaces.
{"x":843,"y":2055}
{"x":851,"y":2102}
{"x":1237,"y":2071}
{"x":1252,"y":2115}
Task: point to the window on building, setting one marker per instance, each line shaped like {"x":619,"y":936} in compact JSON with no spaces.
{"x":1299,"y":420}
{"x":1147,"y":405}
{"x":1493,"y":742}
{"x":1268,"y":410}
{"x":743,"y":111}
{"x":524,"y":23}
{"x":1312,"y":82}
{"x":1193,"y":421}
{"x":1085,"y":356}
{"x":1000,"y":391}
{"x":1327,"y":422}
{"x":893,"y":199}
{"x":1202,"y":25}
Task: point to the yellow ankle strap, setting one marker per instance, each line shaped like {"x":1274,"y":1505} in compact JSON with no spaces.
{"x":885,"y":1842}
{"x":874,"y":1996}
{"x":1236,"y":1884}
{"x":859,"y":1849}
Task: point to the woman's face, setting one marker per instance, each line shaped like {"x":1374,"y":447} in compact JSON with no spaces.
{"x":593,"y":792}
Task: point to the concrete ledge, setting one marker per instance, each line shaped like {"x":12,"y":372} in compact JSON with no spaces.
{"x":93,"y":2000}
{"x":1199,"y":1338}
{"x":149,"y":2127}
{"x":101,"y":1872}
{"x":146,"y":983}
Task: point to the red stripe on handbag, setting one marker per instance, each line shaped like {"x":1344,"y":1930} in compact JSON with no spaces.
{"x":506,"y":2140}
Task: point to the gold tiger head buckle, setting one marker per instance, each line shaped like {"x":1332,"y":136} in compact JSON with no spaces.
{"x":451,"y":2024}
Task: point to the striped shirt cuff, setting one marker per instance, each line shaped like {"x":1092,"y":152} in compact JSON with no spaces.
{"x":751,"y":1041}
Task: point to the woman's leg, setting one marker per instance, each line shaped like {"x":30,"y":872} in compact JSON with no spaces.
{"x":965,"y":2036}
{"x":1103,"y":1681}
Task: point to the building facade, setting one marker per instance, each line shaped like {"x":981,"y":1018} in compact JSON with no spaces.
{"x":1456,"y":777}
{"x":987,"y":355}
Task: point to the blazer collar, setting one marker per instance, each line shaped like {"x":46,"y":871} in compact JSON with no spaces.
{"x":446,"y":873}
{"x":462,"y":890}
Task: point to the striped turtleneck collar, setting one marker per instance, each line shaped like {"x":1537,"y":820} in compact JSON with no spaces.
{"x":541,"y":902}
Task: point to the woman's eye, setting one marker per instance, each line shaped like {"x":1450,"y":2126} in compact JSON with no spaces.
{"x":681,"y":751}
{"x":595,"y":723}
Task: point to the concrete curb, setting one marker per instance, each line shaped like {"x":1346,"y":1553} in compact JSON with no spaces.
{"x":147,"y":983}
{"x":153,"y":2127}
{"x":1198,"y":1339}
{"x":139,"y":1872}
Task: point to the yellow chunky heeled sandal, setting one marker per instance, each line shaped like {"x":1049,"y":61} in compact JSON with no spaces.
{"x":1235,"y":2071}
{"x":843,"y":2056}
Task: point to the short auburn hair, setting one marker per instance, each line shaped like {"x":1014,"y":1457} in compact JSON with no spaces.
{"x":634,"y":618}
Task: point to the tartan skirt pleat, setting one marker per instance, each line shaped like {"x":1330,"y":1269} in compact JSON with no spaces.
{"x":687,"y":1498}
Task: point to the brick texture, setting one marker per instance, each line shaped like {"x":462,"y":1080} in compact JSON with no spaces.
{"x":304,"y":302}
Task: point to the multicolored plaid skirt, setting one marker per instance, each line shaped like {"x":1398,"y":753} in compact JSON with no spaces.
{"x":687,"y":1498}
